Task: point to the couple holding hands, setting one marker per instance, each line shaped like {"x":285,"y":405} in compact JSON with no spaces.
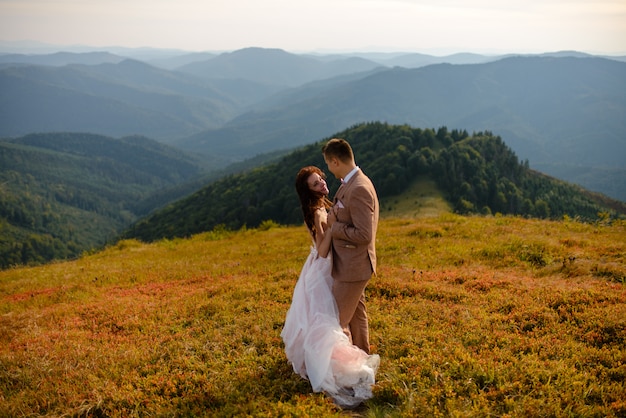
{"x":326,"y":331}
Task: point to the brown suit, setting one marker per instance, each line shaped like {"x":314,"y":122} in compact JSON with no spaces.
{"x":354,"y":253}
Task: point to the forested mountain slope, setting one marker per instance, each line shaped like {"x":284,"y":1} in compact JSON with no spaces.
{"x":63,"y":194}
{"x":477,"y":174}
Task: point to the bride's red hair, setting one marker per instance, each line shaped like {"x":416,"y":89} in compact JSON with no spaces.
{"x":310,"y":200}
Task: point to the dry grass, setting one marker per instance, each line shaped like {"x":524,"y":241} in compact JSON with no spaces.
{"x":471,"y":316}
{"x":421,"y":199}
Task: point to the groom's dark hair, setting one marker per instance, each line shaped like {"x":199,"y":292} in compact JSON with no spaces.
{"x":338,"y":148}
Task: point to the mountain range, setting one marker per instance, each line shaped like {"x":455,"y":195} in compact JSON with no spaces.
{"x":563,"y":112}
{"x":547,"y":109}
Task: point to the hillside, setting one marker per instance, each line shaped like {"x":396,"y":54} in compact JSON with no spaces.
{"x":476,"y":174}
{"x":471,"y":316}
{"x":63,"y":194}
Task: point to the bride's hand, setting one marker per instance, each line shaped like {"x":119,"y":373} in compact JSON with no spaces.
{"x":331,"y":218}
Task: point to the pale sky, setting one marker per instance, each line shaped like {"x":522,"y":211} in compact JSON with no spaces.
{"x":428,"y":26}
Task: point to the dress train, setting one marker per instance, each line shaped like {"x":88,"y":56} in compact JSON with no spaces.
{"x":315,"y":344}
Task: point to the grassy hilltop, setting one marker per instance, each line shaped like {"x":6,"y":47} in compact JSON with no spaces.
{"x":472,"y":316}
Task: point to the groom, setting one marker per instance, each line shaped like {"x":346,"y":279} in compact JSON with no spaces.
{"x":353,"y":221}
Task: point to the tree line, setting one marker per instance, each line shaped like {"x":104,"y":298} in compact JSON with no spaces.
{"x":477,"y":173}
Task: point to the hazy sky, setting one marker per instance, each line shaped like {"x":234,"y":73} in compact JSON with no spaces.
{"x":430,"y":26}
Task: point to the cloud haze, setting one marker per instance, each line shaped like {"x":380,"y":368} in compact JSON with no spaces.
{"x":303,"y":25}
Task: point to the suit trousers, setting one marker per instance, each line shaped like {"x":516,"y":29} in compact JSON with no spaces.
{"x":350,"y":298}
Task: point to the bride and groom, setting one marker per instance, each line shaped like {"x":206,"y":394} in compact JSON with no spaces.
{"x":326,"y":331}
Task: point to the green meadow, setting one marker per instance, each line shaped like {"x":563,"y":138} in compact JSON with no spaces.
{"x":471,"y":316}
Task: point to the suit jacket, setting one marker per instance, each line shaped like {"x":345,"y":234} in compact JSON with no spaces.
{"x":354,"y":232}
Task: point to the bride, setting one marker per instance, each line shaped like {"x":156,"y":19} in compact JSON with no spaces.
{"x":314,"y":342}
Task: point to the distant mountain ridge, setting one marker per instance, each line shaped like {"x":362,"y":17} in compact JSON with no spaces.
{"x":61,"y":58}
{"x":275,"y":66}
{"x":46,"y":54}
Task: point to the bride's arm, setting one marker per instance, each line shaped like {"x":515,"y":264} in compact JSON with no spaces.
{"x":322,"y":239}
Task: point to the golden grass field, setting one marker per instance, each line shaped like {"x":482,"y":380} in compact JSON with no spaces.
{"x":472,"y":317}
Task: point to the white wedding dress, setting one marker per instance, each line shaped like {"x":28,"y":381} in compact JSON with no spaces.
{"x":315,"y":344}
